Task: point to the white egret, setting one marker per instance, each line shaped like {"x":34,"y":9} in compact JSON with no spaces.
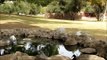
{"x":2,"y":51}
{"x":13,"y":39}
{"x":27,"y":45}
{"x":62,"y":51}
{"x":39,"y":47}
{"x":78,"y":33}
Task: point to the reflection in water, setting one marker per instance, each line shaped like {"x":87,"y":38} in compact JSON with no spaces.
{"x":45,"y":49}
{"x":64,"y":52}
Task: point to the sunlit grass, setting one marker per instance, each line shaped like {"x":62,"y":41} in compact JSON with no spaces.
{"x":93,"y":27}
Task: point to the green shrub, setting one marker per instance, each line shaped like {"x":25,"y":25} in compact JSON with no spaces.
{"x":53,"y":7}
{"x":7,"y":8}
{"x":35,"y":9}
{"x":22,"y":7}
{"x":89,"y":8}
{"x":18,"y":7}
{"x":43,"y":10}
{"x":64,"y":6}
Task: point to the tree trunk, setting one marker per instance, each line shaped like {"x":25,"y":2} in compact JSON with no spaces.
{"x":105,"y":11}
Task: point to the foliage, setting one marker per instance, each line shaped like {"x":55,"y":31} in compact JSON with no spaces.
{"x":99,"y":6}
{"x":35,"y":9}
{"x":73,"y":5}
{"x":22,"y":8}
{"x":43,"y":10}
{"x":50,"y":49}
{"x":40,"y":2}
{"x":89,"y":8}
{"x":7,"y":8}
{"x":59,"y":6}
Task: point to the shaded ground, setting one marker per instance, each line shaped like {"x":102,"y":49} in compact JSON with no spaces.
{"x":98,"y":29}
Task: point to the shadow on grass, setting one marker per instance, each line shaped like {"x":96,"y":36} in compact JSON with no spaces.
{"x":29,"y":19}
{"x":12,"y":25}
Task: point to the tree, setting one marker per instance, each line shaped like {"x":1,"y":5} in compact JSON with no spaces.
{"x":22,"y":8}
{"x":35,"y":9}
{"x":99,"y":7}
{"x":65,"y":8}
{"x":7,"y":8}
{"x":40,"y":2}
{"x":105,"y":11}
{"x":65,"y":5}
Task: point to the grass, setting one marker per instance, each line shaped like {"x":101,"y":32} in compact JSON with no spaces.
{"x":27,"y":19}
{"x":98,"y":29}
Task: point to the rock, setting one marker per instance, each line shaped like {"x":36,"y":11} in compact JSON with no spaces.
{"x":58,"y":36}
{"x":3,"y":43}
{"x":17,"y":56}
{"x":88,"y":50}
{"x":28,"y":58}
{"x":71,"y":40}
{"x":83,"y":37}
{"x":58,"y":57}
{"x":89,"y":57}
{"x":55,"y":57}
{"x":27,"y":39}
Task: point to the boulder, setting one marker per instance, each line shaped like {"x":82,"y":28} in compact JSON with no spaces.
{"x":4,"y":43}
{"x":88,"y":50}
{"x":17,"y":56}
{"x":58,"y":57}
{"x":89,"y":57}
{"x":71,"y":40}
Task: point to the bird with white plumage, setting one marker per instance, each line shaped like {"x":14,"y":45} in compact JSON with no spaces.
{"x":2,"y":51}
{"x":13,"y":40}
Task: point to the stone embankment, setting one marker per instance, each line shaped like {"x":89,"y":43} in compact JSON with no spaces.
{"x":91,"y":48}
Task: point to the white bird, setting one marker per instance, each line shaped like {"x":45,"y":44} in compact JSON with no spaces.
{"x":27,"y":45}
{"x":13,"y":39}
{"x":2,"y":51}
{"x":77,"y":53}
{"x":78,"y":33}
{"x":33,"y":49}
{"x":39,"y":47}
{"x":62,"y":51}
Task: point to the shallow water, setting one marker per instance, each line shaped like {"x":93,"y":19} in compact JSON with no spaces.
{"x":41,"y":47}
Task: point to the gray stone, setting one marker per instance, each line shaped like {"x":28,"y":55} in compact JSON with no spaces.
{"x":58,"y":57}
{"x":88,"y":50}
{"x":90,"y":57}
{"x":17,"y":56}
{"x":3,"y":43}
{"x":70,"y":41}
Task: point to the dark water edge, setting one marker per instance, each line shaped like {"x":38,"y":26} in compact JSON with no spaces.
{"x":47,"y":47}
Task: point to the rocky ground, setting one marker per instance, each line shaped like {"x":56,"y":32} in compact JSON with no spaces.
{"x":91,"y":48}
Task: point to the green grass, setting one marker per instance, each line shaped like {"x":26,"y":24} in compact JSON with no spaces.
{"x":29,"y":19}
{"x":98,"y":29}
